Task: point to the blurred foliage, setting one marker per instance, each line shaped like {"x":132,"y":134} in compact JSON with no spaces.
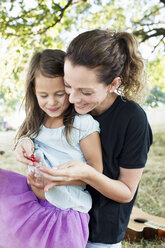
{"x":29,"y":26}
{"x":157,"y":80}
{"x":156,"y":96}
{"x":157,"y":71}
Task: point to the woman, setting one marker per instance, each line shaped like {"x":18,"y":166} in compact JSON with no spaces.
{"x":104,"y":76}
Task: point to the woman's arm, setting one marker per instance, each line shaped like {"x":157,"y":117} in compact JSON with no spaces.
{"x":121,"y":190}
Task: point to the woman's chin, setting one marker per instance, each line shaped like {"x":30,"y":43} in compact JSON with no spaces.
{"x":82,"y":110}
{"x":85,"y":109}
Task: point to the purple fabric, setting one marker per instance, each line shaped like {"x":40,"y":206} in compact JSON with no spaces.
{"x":26,"y":221}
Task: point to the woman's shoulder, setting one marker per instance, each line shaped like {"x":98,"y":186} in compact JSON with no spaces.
{"x":132,"y":109}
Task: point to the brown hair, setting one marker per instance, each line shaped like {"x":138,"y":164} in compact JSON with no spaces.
{"x":50,"y":63}
{"x":113,"y":54}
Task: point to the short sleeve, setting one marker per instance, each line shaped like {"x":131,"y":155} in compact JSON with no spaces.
{"x":86,"y":125}
{"x":137,"y":142}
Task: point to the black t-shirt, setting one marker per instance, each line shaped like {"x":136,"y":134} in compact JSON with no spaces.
{"x":126,"y":137}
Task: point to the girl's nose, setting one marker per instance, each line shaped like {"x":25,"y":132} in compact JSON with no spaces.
{"x":52,"y":101}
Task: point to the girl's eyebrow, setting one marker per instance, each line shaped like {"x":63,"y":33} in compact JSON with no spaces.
{"x":44,"y":92}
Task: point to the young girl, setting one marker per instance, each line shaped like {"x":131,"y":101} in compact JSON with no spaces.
{"x":59,"y":218}
{"x":104,"y":75}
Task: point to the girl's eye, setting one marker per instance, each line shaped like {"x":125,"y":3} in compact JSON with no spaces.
{"x":43,"y":96}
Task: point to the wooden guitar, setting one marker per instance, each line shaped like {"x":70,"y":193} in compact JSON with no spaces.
{"x":143,"y":225}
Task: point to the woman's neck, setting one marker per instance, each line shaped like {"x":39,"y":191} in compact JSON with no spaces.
{"x":106,"y":104}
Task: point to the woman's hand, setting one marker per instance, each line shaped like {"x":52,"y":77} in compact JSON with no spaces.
{"x":70,"y":173}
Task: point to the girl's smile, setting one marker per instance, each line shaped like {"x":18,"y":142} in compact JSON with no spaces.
{"x":53,"y":109}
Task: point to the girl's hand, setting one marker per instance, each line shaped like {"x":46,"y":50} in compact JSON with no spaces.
{"x":37,"y":182}
{"x":37,"y":185}
{"x":23,"y":151}
{"x":39,"y":193}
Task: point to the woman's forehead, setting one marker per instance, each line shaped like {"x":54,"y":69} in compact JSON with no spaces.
{"x":81,"y":75}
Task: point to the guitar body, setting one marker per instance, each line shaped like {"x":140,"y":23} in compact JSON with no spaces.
{"x":143,"y":225}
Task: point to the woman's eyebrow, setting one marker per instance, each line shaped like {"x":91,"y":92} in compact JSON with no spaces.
{"x":79,"y":88}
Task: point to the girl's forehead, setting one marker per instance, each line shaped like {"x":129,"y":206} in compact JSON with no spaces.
{"x":46,"y":83}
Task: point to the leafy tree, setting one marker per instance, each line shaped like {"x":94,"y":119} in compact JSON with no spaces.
{"x":149,"y":23}
{"x":20,"y":19}
{"x":29,"y":27}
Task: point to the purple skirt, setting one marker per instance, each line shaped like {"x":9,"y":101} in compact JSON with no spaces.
{"x":26,"y":221}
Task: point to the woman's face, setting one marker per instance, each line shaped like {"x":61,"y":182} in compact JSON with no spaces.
{"x":83,"y":88}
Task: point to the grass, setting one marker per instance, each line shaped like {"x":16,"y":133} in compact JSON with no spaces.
{"x":151,"y":196}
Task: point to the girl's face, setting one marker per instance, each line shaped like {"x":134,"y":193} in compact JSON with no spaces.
{"x":84,"y":90}
{"x":51,"y":95}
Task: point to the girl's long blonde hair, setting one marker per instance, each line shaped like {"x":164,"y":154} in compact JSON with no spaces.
{"x":50,"y":63}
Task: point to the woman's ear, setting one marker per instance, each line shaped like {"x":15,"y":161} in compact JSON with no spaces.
{"x":115,"y":84}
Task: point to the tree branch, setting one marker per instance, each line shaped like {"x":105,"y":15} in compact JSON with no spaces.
{"x":21,"y":16}
{"x":145,"y":34}
{"x":162,"y":1}
{"x":161,"y":40}
{"x":58,"y":20}
{"x":148,"y":15}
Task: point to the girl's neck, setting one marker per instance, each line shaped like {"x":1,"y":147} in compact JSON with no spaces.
{"x":106,"y":104}
{"x":53,"y":122}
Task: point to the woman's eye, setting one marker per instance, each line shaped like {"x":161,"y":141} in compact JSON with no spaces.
{"x":86,"y":93}
{"x":60,"y":95}
{"x":66,"y":85}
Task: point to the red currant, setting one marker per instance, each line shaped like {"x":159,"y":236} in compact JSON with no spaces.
{"x":32,"y":158}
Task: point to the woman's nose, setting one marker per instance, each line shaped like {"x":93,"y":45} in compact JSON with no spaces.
{"x":74,"y":97}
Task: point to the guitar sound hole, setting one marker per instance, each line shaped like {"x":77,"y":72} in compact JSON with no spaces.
{"x":140,"y":220}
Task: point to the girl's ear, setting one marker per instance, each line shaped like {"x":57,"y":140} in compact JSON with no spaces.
{"x":115,"y":84}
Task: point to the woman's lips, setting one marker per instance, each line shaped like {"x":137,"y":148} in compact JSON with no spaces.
{"x":81,"y":106}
